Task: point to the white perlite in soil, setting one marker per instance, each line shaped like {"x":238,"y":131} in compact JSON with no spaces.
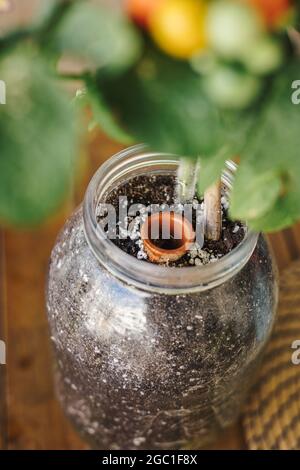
{"x":150,"y":191}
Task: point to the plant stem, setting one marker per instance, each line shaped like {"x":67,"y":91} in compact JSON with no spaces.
{"x":213,"y":212}
{"x":40,"y":34}
{"x":55,"y":16}
{"x":187,"y":177}
{"x":72,"y":76}
{"x":12,"y":39}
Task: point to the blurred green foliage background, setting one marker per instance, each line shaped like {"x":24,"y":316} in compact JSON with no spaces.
{"x":137,"y":93}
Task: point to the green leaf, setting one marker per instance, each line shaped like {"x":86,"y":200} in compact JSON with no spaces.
{"x":260,"y":192}
{"x":38,"y":140}
{"x":271,"y":165}
{"x":102,"y":114}
{"x":99,"y":36}
{"x":284,"y":213}
{"x":275,"y":140}
{"x":161,"y":102}
{"x":237,"y":126}
{"x":211,"y":169}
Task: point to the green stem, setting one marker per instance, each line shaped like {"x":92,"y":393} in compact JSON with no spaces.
{"x":12,"y":39}
{"x":187,"y":177}
{"x":72,"y":76}
{"x":41,"y":34}
{"x":56,"y":15}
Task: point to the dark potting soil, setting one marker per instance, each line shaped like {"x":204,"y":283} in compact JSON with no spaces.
{"x":146,"y":190}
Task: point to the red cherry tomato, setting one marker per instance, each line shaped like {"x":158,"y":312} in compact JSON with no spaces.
{"x":273,"y":12}
{"x":140,"y":10}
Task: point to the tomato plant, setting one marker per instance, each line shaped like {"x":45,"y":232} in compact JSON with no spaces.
{"x":207,"y":79}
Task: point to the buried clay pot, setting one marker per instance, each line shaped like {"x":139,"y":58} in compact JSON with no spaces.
{"x":150,"y":356}
{"x":179,"y":235}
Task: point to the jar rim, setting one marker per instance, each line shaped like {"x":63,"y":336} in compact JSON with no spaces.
{"x":139,"y":273}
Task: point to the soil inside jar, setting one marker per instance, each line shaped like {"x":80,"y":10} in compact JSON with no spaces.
{"x":157,"y":189}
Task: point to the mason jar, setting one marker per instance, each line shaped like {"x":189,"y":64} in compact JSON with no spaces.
{"x":150,"y":356}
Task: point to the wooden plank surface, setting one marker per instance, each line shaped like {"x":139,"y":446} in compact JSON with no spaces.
{"x":30,"y":417}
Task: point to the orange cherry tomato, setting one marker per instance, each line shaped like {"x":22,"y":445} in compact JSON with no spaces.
{"x":274,"y":12}
{"x":140,"y":10}
{"x":178,"y":27}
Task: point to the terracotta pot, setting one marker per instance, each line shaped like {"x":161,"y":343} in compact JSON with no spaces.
{"x":178,"y":231}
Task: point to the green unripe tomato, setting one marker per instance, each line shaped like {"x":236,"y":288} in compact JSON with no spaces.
{"x":231,"y":28}
{"x":231,"y":89}
{"x":264,"y":56}
{"x":204,"y":63}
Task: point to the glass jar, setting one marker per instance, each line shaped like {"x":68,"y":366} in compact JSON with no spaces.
{"x":153,"y":357}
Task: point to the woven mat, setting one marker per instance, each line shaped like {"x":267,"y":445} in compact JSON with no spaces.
{"x":272,"y":415}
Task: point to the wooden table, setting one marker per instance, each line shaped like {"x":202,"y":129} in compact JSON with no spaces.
{"x":30,"y":417}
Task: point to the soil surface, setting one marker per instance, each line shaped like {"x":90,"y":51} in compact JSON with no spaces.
{"x":147,"y":190}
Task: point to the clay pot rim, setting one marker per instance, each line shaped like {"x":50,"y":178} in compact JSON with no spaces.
{"x":162,"y":255}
